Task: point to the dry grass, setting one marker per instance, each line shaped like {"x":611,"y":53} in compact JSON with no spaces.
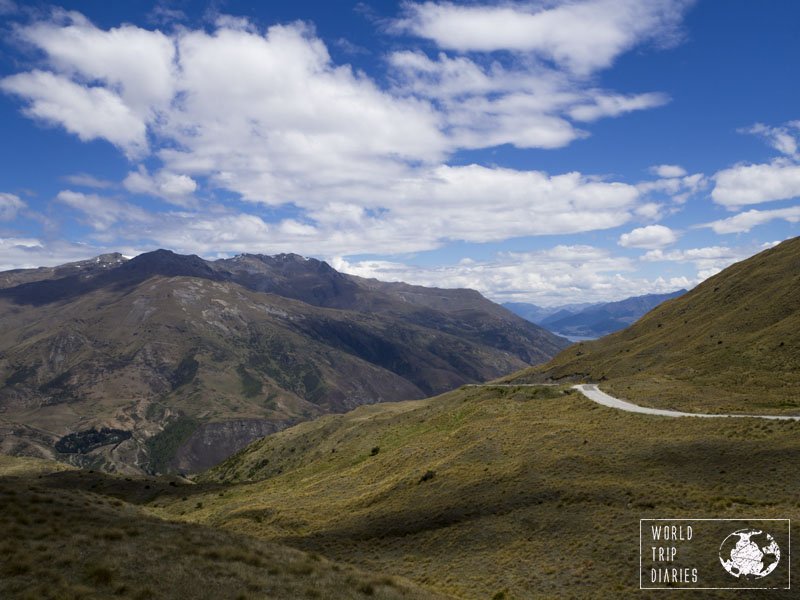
{"x":537,"y":492}
{"x":64,"y":537}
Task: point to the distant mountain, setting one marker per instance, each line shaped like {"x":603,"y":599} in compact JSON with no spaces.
{"x":561,"y":313}
{"x":170,"y":362}
{"x":89,"y":267}
{"x":599,"y":320}
{"x":540,"y":314}
{"x":529,"y":312}
{"x":591,"y":320}
{"x":729,"y":345}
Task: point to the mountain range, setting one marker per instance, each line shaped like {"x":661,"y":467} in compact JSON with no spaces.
{"x":502,"y":490}
{"x":512,"y":491}
{"x":590,"y":321}
{"x":167,"y":362}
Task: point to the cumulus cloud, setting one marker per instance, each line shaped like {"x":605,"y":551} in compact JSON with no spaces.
{"x":136,"y":62}
{"x":90,"y":112}
{"x":745,"y":221}
{"x":757,"y":183}
{"x":523,"y":203}
{"x":581,"y":36}
{"x":271,"y":117}
{"x":10,"y":205}
{"x":668,"y":171}
{"x":174,"y":188}
{"x":651,"y":236}
{"x":268,"y":116}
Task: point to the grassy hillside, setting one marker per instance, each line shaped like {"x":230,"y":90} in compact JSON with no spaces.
{"x":494,"y":491}
{"x":729,"y":345}
{"x":77,"y":534}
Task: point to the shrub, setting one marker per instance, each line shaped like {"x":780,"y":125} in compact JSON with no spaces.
{"x":427,"y":476}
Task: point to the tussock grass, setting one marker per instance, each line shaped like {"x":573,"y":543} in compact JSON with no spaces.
{"x":64,"y":537}
{"x":537,"y":492}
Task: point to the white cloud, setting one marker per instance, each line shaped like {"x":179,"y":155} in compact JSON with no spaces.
{"x":693,"y":254}
{"x":678,"y":188}
{"x":651,"y":236}
{"x":521,"y":203}
{"x":754,"y":184}
{"x":745,"y":221}
{"x":174,"y":188}
{"x":558,"y":275}
{"x":135,"y":62}
{"x":783,"y":138}
{"x":708,"y":260}
{"x":28,"y":253}
{"x":164,"y":15}
{"x":89,"y":181}
{"x":582,"y":36}
{"x":293,"y":124}
{"x":88,"y":112}
{"x":489,"y":105}
{"x":100,"y":212}
{"x":615,"y":104}
{"x":10,"y":205}
{"x":270,"y":117}
{"x":649,"y":210}
{"x":668,"y":171}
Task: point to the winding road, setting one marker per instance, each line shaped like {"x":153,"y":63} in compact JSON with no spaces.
{"x":592,"y":392}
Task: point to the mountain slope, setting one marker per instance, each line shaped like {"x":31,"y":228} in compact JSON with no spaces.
{"x":513,"y":492}
{"x":169,"y":362}
{"x":729,"y":345}
{"x":72,"y":534}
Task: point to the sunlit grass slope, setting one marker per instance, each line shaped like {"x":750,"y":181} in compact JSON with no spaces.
{"x":730,"y":345}
{"x":69,"y":534}
{"x":494,"y":491}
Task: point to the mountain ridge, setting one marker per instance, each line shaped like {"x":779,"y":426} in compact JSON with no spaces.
{"x":590,"y":320}
{"x":170,"y":347}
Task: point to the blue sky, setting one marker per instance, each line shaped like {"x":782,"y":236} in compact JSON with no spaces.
{"x":550,"y":152}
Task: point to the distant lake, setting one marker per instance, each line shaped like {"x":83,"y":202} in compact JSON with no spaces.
{"x":575,"y":338}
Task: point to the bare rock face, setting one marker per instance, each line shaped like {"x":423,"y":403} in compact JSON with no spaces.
{"x":212,"y":443}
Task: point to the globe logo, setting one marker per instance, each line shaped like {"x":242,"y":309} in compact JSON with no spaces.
{"x":749,"y":554}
